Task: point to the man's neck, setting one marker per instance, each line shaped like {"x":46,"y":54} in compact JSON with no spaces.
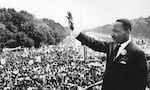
{"x":124,"y":44}
{"x":126,"y":40}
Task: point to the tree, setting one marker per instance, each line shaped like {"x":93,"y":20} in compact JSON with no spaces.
{"x":23,"y":29}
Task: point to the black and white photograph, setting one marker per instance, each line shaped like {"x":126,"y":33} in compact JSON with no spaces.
{"x":74,"y":44}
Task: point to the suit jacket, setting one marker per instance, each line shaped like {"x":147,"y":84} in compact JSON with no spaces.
{"x":126,"y":72}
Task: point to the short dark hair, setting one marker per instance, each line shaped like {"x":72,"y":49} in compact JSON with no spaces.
{"x":126,"y":23}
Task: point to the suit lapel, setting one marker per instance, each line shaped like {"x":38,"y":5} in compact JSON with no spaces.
{"x":112,"y":51}
{"x":129,"y":49}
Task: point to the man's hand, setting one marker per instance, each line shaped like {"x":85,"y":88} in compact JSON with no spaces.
{"x":70,"y":20}
{"x":75,"y":33}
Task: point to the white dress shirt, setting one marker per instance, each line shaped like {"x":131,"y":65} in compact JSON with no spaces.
{"x":123,"y":45}
{"x":75,"y":33}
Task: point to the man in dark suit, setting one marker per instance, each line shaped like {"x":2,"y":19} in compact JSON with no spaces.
{"x":126,"y":67}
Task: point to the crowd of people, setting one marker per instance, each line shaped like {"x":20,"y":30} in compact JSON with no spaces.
{"x":60,"y":67}
{"x":50,"y":68}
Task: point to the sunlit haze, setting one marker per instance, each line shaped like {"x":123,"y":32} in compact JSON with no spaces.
{"x":86,"y":13}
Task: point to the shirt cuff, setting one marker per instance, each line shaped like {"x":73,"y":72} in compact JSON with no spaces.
{"x":75,"y":33}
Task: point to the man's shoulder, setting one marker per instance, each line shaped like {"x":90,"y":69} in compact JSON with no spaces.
{"x":133,"y":46}
{"x":138,"y":50}
{"x":134,"y":49}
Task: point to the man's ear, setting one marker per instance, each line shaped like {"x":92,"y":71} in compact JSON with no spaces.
{"x":128,"y":31}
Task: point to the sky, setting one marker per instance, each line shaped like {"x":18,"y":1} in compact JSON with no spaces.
{"x":86,"y":13}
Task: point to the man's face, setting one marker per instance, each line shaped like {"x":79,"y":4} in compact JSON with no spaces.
{"x":119,"y":35}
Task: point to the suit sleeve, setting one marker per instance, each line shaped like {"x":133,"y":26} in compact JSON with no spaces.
{"x":96,"y":45}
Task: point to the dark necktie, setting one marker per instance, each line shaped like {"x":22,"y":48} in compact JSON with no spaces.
{"x":116,"y":50}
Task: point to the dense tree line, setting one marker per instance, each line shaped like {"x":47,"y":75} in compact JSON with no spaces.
{"x":20,"y":28}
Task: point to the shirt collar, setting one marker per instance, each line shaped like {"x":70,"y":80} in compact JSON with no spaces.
{"x":123,"y":45}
